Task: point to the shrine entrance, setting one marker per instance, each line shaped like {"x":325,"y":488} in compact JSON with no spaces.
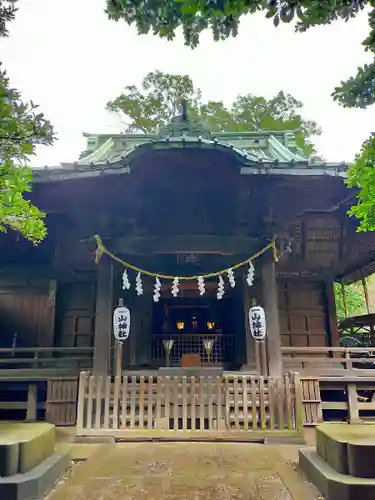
{"x":194,"y":332}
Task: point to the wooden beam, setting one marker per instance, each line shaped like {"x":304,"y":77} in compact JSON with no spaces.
{"x":224,"y":245}
{"x":103,"y":322}
{"x":275,"y":364}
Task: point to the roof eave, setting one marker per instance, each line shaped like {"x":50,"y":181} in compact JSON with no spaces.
{"x":286,"y":169}
{"x":55,"y":175}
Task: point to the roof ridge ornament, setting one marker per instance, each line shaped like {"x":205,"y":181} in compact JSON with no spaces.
{"x":182,"y":125}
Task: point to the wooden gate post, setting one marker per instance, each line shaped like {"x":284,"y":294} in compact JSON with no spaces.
{"x":275,"y":363}
{"x":81,"y":401}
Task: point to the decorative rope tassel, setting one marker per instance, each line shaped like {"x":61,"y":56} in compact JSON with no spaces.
{"x":175,"y":287}
{"x":201,"y":286}
{"x":231,"y":278}
{"x":125,"y":281}
{"x":250,"y":274}
{"x":138,"y":284}
{"x":157,"y":288}
{"x":220,"y":288}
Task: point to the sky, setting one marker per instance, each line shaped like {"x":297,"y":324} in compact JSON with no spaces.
{"x":71,"y":60}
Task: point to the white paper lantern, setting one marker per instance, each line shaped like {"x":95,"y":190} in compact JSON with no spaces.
{"x":257,"y":322}
{"x":121,"y":323}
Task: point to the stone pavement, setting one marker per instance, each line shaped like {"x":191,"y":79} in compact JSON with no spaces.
{"x":186,"y":471}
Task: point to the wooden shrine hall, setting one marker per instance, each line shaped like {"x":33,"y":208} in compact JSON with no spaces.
{"x":182,"y":203}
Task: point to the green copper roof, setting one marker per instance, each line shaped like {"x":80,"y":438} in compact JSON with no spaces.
{"x":252,"y":146}
{"x":257,"y":152}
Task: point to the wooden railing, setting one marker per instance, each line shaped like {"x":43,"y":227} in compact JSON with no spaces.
{"x":54,"y":358}
{"x":229,"y":403}
{"x":325,"y":361}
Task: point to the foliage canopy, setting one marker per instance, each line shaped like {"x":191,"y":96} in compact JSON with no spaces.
{"x":157,"y":102}
{"x":164,"y":17}
{"x":22,"y":128}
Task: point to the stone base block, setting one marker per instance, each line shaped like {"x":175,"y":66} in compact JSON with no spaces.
{"x":332,"y":484}
{"x":36,"y":483}
{"x":24,"y":445}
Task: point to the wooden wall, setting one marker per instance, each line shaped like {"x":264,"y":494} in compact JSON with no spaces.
{"x":304,"y":314}
{"x":27,"y":307}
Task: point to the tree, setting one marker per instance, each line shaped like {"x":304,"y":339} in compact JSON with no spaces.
{"x":354,"y":299}
{"x":22,"y":128}
{"x":152,"y":107}
{"x":164,"y":17}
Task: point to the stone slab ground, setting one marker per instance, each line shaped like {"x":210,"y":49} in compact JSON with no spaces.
{"x":186,"y":471}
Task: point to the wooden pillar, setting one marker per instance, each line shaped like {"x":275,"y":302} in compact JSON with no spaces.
{"x":249,"y":339}
{"x":103,"y":321}
{"x":275,"y":362}
{"x":50,"y":340}
{"x":365,"y":290}
{"x":332,"y":316}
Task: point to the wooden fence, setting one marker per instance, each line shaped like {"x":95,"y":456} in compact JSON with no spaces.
{"x":329,"y":361}
{"x":337,"y":399}
{"x":228,"y":403}
{"x":351,"y":398}
{"x":39,"y":398}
